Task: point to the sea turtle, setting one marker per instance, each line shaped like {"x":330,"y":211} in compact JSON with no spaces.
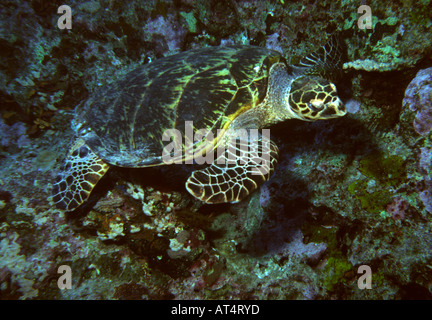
{"x":127,"y":122}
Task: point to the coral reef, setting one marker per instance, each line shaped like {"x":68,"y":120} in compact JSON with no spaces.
{"x":398,"y":208}
{"x":13,"y":137}
{"x":351,"y":192}
{"x":418,"y":97}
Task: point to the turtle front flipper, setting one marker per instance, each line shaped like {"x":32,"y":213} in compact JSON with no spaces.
{"x":236,"y":172}
{"x":79,"y":174}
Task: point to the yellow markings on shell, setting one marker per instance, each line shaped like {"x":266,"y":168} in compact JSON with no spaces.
{"x":228,"y":120}
{"x":234,"y":115}
{"x":204,"y":148}
{"x":179,"y":90}
{"x":225,"y":81}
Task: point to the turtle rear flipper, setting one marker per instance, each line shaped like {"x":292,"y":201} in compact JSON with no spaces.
{"x":235,"y":173}
{"x":81,"y":171}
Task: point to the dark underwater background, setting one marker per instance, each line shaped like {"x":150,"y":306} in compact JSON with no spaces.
{"x":350,"y":192}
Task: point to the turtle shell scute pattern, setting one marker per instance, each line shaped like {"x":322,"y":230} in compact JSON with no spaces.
{"x":124,"y":121}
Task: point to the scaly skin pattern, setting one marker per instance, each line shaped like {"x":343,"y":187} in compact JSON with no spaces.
{"x":79,"y":174}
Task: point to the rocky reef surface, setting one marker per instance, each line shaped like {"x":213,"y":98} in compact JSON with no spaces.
{"x":351,"y":192}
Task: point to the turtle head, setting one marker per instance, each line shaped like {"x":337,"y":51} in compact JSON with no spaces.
{"x":313,"y":98}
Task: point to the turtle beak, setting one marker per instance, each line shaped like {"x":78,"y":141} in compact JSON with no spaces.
{"x":333,"y":109}
{"x":340,"y":108}
{"x":338,"y":105}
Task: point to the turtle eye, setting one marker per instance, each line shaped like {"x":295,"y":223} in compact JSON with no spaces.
{"x":315,"y":105}
{"x":311,"y":107}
